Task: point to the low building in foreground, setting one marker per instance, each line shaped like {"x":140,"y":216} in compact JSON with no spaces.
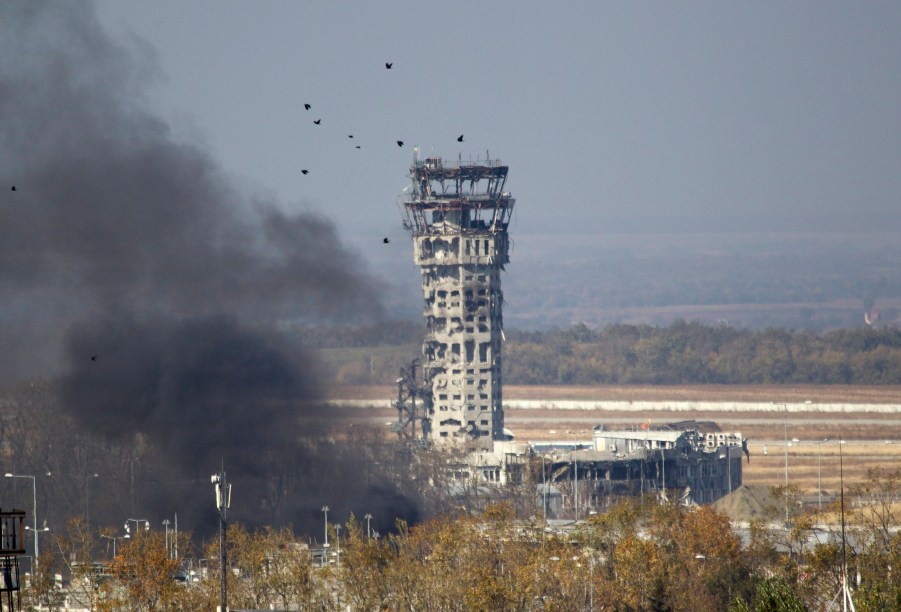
{"x":692,"y":462}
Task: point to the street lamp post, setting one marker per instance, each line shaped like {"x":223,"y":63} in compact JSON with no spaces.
{"x":785,"y":443}
{"x":34,"y":492}
{"x":576,"y":462}
{"x":368,"y":518}
{"x":338,"y":542}
{"x":166,"y":524}
{"x":543,"y":491}
{"x":785,"y":439}
{"x":820,"y":473}
{"x":325,"y":511}
{"x":137,"y":523}
{"x":114,"y":538}
{"x":591,"y":582}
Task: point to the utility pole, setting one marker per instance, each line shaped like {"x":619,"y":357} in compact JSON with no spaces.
{"x":223,"y":502}
{"x":820,"y":473}
{"x":785,"y":443}
{"x":576,"y":463}
{"x":785,"y":439}
{"x":166,"y":524}
{"x":544,"y":489}
{"x":663,"y":471}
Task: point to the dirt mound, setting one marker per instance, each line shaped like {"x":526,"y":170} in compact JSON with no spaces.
{"x":746,"y":503}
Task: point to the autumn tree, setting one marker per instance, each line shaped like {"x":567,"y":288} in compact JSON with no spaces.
{"x":364,"y":565}
{"x":878,"y":557}
{"x":274,"y":568}
{"x":143,"y":574}
{"x":77,"y":550}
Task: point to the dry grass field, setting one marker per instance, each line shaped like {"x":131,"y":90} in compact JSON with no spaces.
{"x":871,"y":438}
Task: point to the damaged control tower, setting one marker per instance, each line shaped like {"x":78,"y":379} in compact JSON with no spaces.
{"x":458,"y":213}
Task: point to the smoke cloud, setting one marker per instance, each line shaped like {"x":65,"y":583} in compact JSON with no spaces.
{"x":136,"y":273}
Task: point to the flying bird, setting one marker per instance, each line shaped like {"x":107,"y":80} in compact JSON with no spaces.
{"x":307,"y":106}
{"x":317,"y":121}
{"x":93,"y":357}
{"x":304,"y":171}
{"x":350,"y":135}
{"x":388,"y":65}
{"x":400,"y":143}
{"x":385,"y":241}
{"x":13,"y":188}
{"x":358,"y":146}
{"x":460,"y":139}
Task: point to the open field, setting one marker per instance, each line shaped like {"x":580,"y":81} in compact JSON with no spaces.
{"x":720,"y":393}
{"x":871,"y":438}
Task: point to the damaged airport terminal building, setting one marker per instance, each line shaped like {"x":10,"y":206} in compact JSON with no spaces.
{"x":458,"y":214}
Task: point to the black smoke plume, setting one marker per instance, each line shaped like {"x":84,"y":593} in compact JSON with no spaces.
{"x":134,"y":272}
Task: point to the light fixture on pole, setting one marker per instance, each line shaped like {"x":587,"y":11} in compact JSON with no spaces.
{"x":368,"y":518}
{"x":325,"y":511}
{"x":35,"y":530}
{"x":137,"y":523}
{"x":114,"y":538}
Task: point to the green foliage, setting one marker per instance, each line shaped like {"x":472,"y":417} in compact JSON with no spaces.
{"x":777,"y":595}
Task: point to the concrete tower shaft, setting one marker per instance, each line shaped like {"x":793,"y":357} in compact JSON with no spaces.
{"x":458,"y":214}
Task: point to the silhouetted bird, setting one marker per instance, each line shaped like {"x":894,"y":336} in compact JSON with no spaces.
{"x":350,"y":135}
{"x":93,"y":357}
{"x":317,"y":121}
{"x":460,"y":139}
{"x":388,"y":65}
{"x":13,"y":188}
{"x":358,"y":146}
{"x":385,"y":241}
{"x":307,"y":106}
{"x":304,"y":171}
{"x":400,"y":143}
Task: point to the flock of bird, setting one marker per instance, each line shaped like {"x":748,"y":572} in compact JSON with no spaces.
{"x":305,"y":171}
{"x":400,"y":143}
{"x":318,"y":121}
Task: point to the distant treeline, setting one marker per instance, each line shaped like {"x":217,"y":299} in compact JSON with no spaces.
{"x":691,"y":353}
{"x":681,"y":353}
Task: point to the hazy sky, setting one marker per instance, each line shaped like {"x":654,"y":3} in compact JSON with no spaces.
{"x":612,"y":116}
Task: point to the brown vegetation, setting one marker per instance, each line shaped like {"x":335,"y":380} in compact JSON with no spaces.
{"x":637,"y":555}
